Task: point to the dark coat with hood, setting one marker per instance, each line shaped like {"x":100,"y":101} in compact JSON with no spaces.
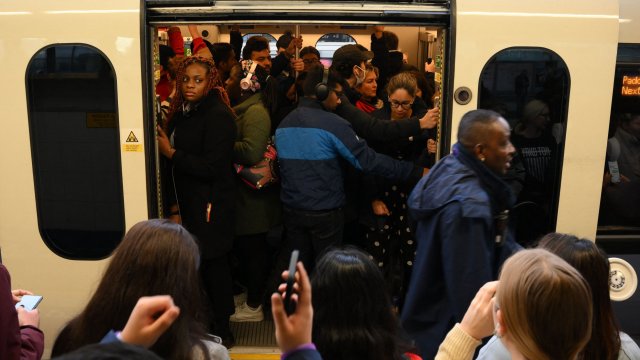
{"x":203,"y":173}
{"x":455,"y":207}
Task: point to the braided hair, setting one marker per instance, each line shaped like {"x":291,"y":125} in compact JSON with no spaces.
{"x":214,"y":83}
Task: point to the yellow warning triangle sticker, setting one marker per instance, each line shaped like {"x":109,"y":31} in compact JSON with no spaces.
{"x":132,"y":137}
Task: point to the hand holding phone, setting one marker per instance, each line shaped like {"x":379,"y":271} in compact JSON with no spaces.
{"x":18,"y":294}
{"x":28,"y":317}
{"x":289,"y":306}
{"x":29,"y":302}
{"x":293,"y":330}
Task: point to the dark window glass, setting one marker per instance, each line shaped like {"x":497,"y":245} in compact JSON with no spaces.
{"x":530,"y":88}
{"x":273,"y":49}
{"x":620,"y":201}
{"x":329,"y":43}
{"x":73,"y":122}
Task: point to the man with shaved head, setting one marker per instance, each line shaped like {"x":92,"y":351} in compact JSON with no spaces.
{"x":462,"y":234}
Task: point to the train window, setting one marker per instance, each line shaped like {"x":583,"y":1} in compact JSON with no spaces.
{"x":530,"y":88}
{"x":329,"y":43}
{"x":620,"y":200}
{"x":73,"y":123}
{"x":273,"y":49}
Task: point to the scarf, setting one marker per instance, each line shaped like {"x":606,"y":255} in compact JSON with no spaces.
{"x":502,"y":198}
{"x":366,"y":106}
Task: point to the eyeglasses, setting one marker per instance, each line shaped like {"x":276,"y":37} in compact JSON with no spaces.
{"x":338,"y":93}
{"x":405,"y":105}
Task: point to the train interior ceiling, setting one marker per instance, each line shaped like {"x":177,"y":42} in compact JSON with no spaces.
{"x":325,"y":37}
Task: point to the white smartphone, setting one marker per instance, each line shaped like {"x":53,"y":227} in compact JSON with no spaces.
{"x":29,"y":302}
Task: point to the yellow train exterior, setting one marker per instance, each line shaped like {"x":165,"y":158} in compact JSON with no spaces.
{"x":585,"y":34}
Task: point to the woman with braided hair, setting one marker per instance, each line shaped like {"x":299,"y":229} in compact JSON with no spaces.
{"x":198,"y":140}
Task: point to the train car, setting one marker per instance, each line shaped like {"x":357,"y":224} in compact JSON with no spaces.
{"x":79,"y":113}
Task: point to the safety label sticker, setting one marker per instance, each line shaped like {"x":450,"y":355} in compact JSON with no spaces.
{"x":102,"y":120}
{"x":131,"y":140}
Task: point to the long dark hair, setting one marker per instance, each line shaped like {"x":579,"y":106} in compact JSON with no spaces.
{"x":592,"y":263}
{"x":155,"y":257}
{"x":353,"y":316}
{"x":427,"y":87}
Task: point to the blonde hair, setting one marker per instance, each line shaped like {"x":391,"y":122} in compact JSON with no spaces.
{"x":369,"y":69}
{"x":546,"y":305}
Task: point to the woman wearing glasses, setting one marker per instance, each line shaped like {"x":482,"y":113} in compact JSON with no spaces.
{"x":389,"y":238}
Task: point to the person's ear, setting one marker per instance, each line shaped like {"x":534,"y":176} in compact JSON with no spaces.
{"x":478,"y":151}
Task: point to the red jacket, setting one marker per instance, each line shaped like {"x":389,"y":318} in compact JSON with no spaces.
{"x":26,"y":342}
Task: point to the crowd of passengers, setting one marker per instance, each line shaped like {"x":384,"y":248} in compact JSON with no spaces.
{"x":551,"y":302}
{"x":395,"y":257}
{"x":348,"y":154}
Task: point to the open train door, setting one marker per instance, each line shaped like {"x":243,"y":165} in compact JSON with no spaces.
{"x":311,"y":18}
{"x":422,"y":27}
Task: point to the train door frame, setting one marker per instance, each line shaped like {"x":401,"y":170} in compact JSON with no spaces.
{"x":163,"y":13}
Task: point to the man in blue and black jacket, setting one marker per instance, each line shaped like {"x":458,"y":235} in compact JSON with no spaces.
{"x":314,"y":145}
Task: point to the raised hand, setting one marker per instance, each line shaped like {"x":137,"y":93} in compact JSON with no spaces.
{"x":150,"y":318}
{"x":294,"y":330}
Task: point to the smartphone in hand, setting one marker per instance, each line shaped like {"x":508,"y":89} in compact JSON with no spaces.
{"x":289,"y":306}
{"x":29,"y":302}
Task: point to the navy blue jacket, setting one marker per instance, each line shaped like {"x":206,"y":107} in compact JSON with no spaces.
{"x":312,"y":145}
{"x":457,"y":253}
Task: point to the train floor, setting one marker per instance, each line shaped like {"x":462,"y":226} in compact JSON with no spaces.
{"x":254,"y":341}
